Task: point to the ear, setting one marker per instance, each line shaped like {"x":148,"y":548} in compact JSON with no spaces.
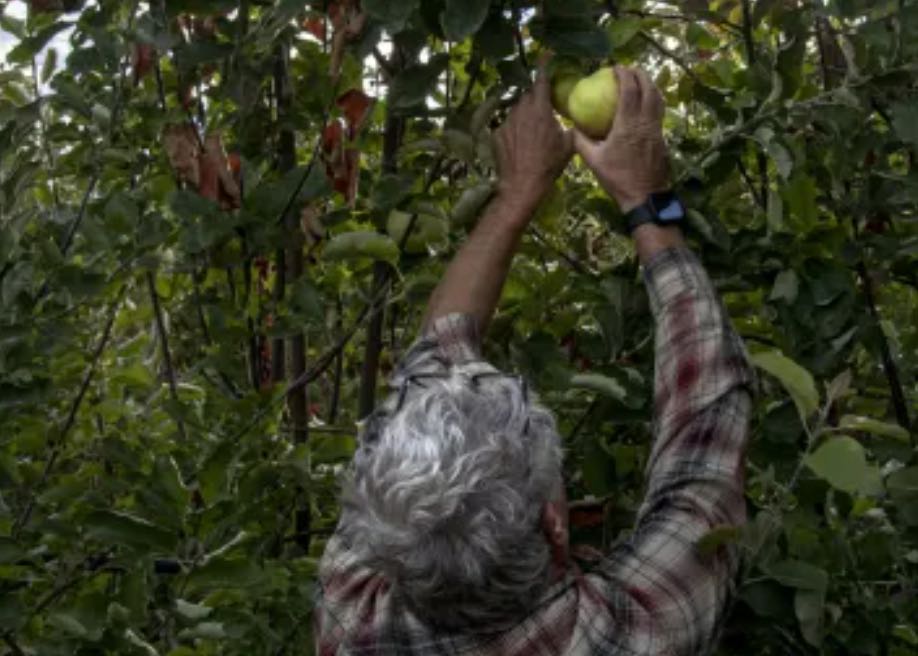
{"x":554,"y":527}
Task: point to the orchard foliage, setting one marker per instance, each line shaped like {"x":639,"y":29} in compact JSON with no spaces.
{"x":219,"y":222}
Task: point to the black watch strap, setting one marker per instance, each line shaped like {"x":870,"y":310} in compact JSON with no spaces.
{"x":661,"y":208}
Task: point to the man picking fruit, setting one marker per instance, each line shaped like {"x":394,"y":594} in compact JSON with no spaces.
{"x":453,"y":536}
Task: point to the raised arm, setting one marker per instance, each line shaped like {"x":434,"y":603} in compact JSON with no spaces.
{"x":702,"y":405}
{"x":532,"y":150}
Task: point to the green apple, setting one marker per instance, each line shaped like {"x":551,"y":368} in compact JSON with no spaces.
{"x":562,"y":83}
{"x":593,"y":102}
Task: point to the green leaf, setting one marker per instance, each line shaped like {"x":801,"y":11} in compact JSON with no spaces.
{"x":393,"y":14}
{"x":842,"y":462}
{"x":10,"y":552}
{"x":32,"y":45}
{"x":351,"y":245}
{"x":461,"y":18}
{"x":799,"y":574}
{"x":204,"y":630}
{"x":623,"y":29}
{"x":800,"y":194}
{"x":903,"y":483}
{"x":718,"y":536}
{"x":49,"y":65}
{"x":412,"y":86}
{"x":905,"y":121}
{"x":225,"y":573}
{"x":191,"y":611}
{"x":471,"y":202}
{"x":495,"y":39}
{"x":602,"y":384}
{"x":575,"y":36}
{"x":12,"y":612}
{"x":332,"y":448}
{"x":796,"y":380}
{"x":124,"y":529}
{"x":786,"y":287}
{"x":874,"y":426}
{"x":809,"y":607}
{"x":201,"y":52}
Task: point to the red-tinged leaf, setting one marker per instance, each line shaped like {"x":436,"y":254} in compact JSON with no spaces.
{"x":586,"y":517}
{"x":316,"y":26}
{"x":142,"y":60}
{"x":235,"y":164}
{"x":357,"y":107}
{"x":183,"y":150}
{"x":45,"y":6}
{"x":332,"y":136}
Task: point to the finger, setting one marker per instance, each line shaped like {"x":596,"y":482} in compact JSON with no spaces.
{"x":542,"y":88}
{"x":651,"y":100}
{"x":567,"y":137}
{"x":586,"y":148}
{"x":629,"y":93}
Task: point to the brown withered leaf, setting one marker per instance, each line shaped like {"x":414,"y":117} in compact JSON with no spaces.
{"x":311,"y":224}
{"x":357,"y":108}
{"x":183,"y":150}
{"x":217,"y":181}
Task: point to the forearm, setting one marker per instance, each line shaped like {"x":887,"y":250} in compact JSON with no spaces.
{"x":474,"y":279}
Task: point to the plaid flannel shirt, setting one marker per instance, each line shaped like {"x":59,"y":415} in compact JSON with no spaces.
{"x":656,"y":592}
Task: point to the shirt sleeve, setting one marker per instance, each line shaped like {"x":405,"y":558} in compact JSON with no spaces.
{"x":674,"y":592}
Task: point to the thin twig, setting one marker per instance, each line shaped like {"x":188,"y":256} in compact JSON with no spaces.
{"x":11,"y":643}
{"x":167,"y":355}
{"x":669,"y":54}
{"x":574,"y":263}
{"x":682,"y":18}
{"x":74,"y":408}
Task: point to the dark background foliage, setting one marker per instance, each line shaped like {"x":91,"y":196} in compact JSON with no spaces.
{"x":188,"y":340}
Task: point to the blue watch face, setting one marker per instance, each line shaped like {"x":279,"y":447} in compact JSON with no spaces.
{"x":672,"y":212}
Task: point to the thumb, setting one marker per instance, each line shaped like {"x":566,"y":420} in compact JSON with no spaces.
{"x":587,"y":148}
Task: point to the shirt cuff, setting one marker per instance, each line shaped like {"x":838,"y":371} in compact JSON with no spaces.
{"x":671,"y":273}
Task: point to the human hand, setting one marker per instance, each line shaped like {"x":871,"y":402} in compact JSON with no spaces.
{"x":630,"y":163}
{"x":532,"y":148}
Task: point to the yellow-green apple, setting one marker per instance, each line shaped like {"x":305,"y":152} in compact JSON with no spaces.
{"x":593,"y":102}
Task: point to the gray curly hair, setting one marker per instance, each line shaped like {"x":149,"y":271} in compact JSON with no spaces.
{"x":446,"y":493}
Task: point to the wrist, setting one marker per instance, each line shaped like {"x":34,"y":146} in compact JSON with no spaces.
{"x":516,"y":203}
{"x":650,"y":239}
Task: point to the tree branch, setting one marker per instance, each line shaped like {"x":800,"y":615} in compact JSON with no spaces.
{"x":392,"y":139}
{"x":339,"y":368}
{"x":900,"y":405}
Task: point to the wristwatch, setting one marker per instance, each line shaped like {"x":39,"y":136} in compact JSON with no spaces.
{"x":662,"y":208}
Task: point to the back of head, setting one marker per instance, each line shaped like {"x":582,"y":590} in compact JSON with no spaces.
{"x":446,"y":495}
